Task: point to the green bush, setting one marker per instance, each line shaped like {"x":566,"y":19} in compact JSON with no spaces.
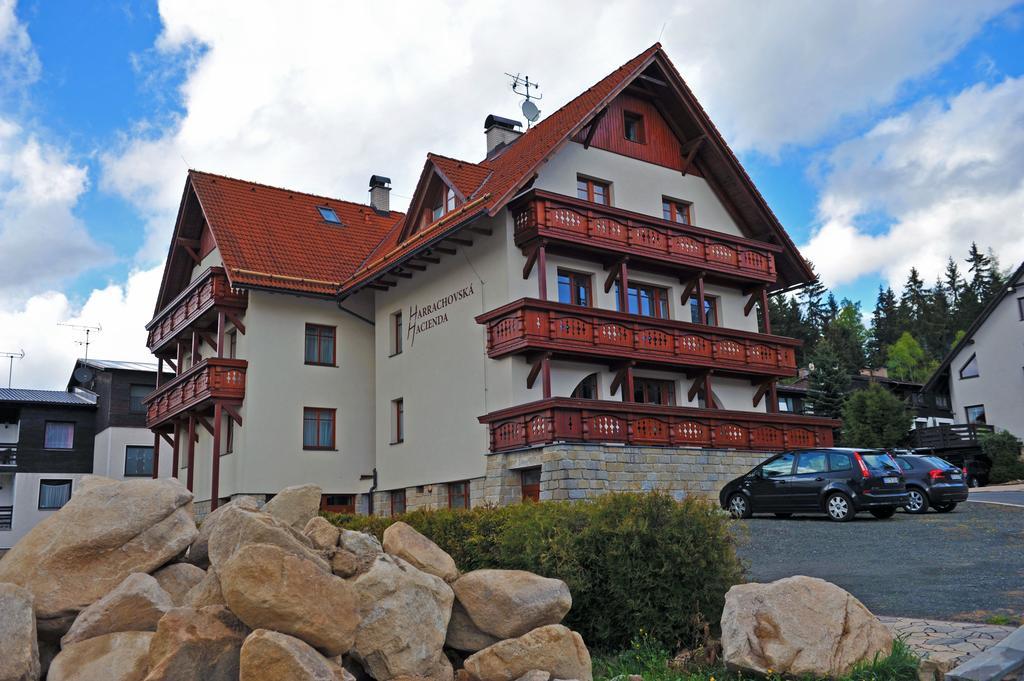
{"x":1003,"y":449}
{"x":634,"y":562}
{"x":874,"y":417}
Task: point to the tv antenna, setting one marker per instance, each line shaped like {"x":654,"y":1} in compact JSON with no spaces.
{"x":11,"y":356}
{"x":521,"y":86}
{"x":87,"y":329}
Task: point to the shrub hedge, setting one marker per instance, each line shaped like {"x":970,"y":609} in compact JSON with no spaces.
{"x":634,"y":562}
{"x":1003,"y":449}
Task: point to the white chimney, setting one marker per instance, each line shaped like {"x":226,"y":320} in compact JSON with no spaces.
{"x":500,"y":132}
{"x":380,"y":192}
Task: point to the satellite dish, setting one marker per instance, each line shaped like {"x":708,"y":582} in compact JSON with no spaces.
{"x":531,"y":111}
{"x":82,"y":374}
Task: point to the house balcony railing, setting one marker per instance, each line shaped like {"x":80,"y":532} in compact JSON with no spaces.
{"x":530,"y":325}
{"x":559,"y":219}
{"x":956,"y":436}
{"x":195,"y":389}
{"x":6,"y":517}
{"x":8,"y":457}
{"x":210,"y":290}
{"x":564,"y":419}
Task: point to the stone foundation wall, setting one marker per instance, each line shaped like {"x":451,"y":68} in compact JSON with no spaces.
{"x":430,"y":496}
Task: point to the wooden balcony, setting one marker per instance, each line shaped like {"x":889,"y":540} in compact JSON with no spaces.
{"x":209,"y":291}
{"x":569,"y":224}
{"x":956,"y":436}
{"x":563,"y":419}
{"x":196,"y":389}
{"x":530,"y":325}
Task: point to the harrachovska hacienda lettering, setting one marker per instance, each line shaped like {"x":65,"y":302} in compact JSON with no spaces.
{"x":433,"y":314}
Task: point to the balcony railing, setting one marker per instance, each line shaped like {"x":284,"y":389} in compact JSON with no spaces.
{"x":563,"y":419}
{"x":957,"y":436}
{"x":8,"y":457}
{"x":6,"y":517}
{"x":554,"y":217}
{"x":529,"y":325}
{"x":211,"y":379}
{"x":209,"y":290}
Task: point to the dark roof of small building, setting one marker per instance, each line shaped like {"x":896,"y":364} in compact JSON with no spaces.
{"x":62,"y":397}
{"x":117,"y":364}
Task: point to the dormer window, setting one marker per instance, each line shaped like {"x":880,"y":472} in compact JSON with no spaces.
{"x":329,"y":215}
{"x":446,"y":203}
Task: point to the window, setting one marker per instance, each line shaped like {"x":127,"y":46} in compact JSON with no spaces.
{"x":530,"y":482}
{"x":320,"y":345}
{"x":633,"y":127}
{"x":137,"y":393}
{"x":229,"y":436}
{"x":574,"y":288}
{"x":138,"y":461}
{"x":338,"y":503}
{"x":710,"y":310}
{"x":586,"y":389}
{"x":329,"y":215}
{"x":1020,"y":308}
{"x":675,"y":211}
{"x":649,"y":301}
{"x":903,"y":464}
{"x":53,"y":494}
{"x":318,"y":428}
{"x":458,"y":494}
{"x":942,"y":401}
{"x":233,"y":343}
{"x":780,"y":466}
{"x":396,"y":333}
{"x":397,"y":421}
{"x":398,"y":502}
{"x":445,"y":205}
{"x":976,"y":413}
{"x":970,"y":368}
{"x":812,"y":462}
{"x":59,"y":435}
{"x":594,"y":191}
{"x":786,"y":404}
{"x":654,"y":391}
{"x":840,"y":461}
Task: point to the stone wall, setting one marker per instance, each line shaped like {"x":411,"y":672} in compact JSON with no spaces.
{"x":427,"y":497}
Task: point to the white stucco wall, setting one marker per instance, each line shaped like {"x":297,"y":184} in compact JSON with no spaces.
{"x":110,"y":446}
{"x":25,"y":495}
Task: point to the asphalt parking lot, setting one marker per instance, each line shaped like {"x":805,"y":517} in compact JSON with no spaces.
{"x":967,"y":565}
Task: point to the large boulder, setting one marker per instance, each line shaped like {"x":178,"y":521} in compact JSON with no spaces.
{"x":553,"y":648}
{"x":463,"y":634}
{"x":107,"y":531}
{"x":238,"y":527}
{"x":509,"y":603}
{"x":355,"y":553}
{"x":273,"y":656}
{"x":269,"y":588}
{"x":799,"y":626}
{"x":206,"y":592}
{"x":178,"y":579}
{"x":404,"y":620}
{"x":136,"y":604}
{"x":122,"y":656}
{"x":19,"y":649}
{"x":295,"y":505}
{"x":198,"y":553}
{"x":196,"y":643}
{"x":322,"y":533}
{"x":403,"y":541}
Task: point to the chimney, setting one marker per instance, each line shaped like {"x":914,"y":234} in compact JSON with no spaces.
{"x":380,"y":191}
{"x":500,"y":132}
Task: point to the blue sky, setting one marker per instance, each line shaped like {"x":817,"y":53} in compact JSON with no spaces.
{"x":882,"y":136}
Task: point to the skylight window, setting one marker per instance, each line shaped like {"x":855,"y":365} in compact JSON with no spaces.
{"x":329,"y":215}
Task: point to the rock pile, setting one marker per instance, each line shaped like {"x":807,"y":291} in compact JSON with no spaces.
{"x":120,"y":585}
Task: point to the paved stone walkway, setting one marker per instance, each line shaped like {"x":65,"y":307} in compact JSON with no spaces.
{"x":947,"y":643}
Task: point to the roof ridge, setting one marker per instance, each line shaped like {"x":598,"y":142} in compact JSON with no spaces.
{"x":431,"y":154}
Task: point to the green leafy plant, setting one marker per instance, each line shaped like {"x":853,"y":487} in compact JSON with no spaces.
{"x":874,"y":418}
{"x":1003,"y":449}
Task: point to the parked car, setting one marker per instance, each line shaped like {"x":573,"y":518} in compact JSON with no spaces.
{"x":932,"y":481}
{"x":977,"y":466}
{"x":836,"y":481}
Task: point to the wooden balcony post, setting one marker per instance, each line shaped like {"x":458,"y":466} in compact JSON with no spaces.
{"x":546,"y":375}
{"x":195,"y":347}
{"x":190,"y":479}
{"x":709,"y":397}
{"x":630,"y":395}
{"x":624,"y":287}
{"x":221,"y":330}
{"x":156,"y":453}
{"x":773,"y":397}
{"x":701,"y":315}
{"x":180,"y":364}
{"x":542,"y":271}
{"x":764,"y":311}
{"x":218,"y":417}
{"x":159,"y":370}
{"x":175,"y":448}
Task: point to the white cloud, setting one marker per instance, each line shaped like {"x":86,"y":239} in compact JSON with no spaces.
{"x":924,"y":184}
{"x":19,"y":64}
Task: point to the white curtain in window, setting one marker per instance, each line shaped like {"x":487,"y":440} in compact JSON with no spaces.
{"x":59,"y":435}
{"x":54,"y":494}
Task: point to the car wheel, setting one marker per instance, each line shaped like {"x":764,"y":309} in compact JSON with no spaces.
{"x":739,"y":506}
{"x":883,"y":513}
{"x":839,"y":507}
{"x":917,"y":501}
{"x":945,"y":508}
{"x":783,"y":515}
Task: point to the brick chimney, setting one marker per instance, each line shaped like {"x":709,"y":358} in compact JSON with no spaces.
{"x":500,"y":132}
{"x":380,"y":193}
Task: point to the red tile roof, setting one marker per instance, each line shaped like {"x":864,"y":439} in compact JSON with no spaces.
{"x":466,"y":177}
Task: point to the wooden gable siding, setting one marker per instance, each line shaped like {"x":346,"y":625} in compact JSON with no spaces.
{"x":659,"y":146}
{"x":206,"y":241}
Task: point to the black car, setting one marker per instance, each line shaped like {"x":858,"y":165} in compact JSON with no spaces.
{"x":838,"y":482}
{"x":932,"y":481}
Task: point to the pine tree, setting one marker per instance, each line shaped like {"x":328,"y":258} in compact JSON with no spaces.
{"x":884,"y":326}
{"x":847,"y":336}
{"x":789,"y":320}
{"x":812,"y":299}
{"x":874,"y":418}
{"x":829,"y":381}
{"x":954,"y":285}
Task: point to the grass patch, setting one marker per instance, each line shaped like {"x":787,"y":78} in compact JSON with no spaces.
{"x":1002,"y":620}
{"x":653,"y":662}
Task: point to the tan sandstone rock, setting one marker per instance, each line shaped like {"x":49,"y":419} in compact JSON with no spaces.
{"x":206,"y":592}
{"x":239,"y":527}
{"x":405,"y":616}
{"x":107,"y":531}
{"x":269,"y":588}
{"x":178,"y":579}
{"x":509,"y":603}
{"x":136,"y":604}
{"x":192,"y":644}
{"x":553,"y":648}
{"x":355,"y":554}
{"x":463,"y":634}
{"x":322,"y":533}
{"x":540,"y":675}
{"x":273,"y":656}
{"x":403,"y":541}
{"x":121,"y":656}
{"x":295,"y":505}
{"x":19,"y":648}
{"x":799,"y":626}
{"x":198,"y":553}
